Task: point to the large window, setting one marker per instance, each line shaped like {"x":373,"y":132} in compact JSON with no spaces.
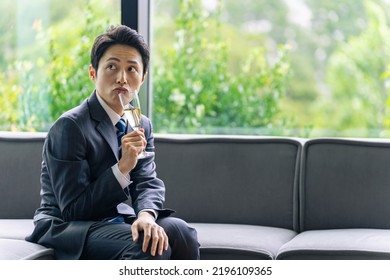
{"x":285,"y":67}
{"x":45,"y":56}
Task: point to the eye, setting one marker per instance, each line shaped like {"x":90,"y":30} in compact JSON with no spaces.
{"x":111,"y":67}
{"x":132,"y":69}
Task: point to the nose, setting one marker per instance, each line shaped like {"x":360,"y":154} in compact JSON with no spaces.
{"x":122,"y":78}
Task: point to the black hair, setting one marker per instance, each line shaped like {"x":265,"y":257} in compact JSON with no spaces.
{"x":119,"y":35}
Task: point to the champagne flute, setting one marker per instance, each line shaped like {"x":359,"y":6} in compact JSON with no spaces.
{"x":132,"y":110}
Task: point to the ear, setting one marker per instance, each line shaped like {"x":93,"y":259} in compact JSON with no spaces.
{"x":144,"y":77}
{"x":92,"y":73}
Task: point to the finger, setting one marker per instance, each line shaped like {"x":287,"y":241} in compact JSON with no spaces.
{"x":139,"y":143}
{"x":142,"y":137}
{"x":134,"y":232}
{"x":140,"y":140}
{"x":135,"y":140}
{"x":163,"y":241}
{"x":166,"y":241}
{"x":147,"y":237}
{"x":156,"y":241}
{"x":132,"y":138}
{"x":144,"y":143}
{"x":133,"y":145}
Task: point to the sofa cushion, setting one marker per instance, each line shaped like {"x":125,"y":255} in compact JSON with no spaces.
{"x":231,"y":180}
{"x":12,"y":243}
{"x":346,"y":244}
{"x":345,"y":183}
{"x":12,"y":249}
{"x":16,"y":228}
{"x":233,"y":241}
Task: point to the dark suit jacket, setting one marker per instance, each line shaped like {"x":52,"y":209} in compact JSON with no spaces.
{"x":78,"y":186}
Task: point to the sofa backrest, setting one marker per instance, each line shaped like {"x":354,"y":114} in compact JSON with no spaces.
{"x":345,"y":184}
{"x":244,"y":180}
{"x":20,"y":168}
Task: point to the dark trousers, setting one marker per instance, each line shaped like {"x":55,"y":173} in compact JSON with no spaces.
{"x":113,"y":241}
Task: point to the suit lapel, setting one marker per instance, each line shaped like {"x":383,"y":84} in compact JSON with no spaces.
{"x":104,"y":125}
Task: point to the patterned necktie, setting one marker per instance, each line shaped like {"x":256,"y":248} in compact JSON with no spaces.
{"x":121,"y":125}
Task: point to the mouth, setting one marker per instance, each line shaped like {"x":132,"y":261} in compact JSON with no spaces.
{"x":120,"y":90}
{"x":123,"y":95}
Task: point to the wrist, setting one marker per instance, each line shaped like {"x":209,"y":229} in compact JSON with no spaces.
{"x":123,"y":179}
{"x":147,"y":213}
{"x":122,"y":169}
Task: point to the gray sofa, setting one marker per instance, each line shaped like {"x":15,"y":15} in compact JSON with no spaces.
{"x":248,"y":197}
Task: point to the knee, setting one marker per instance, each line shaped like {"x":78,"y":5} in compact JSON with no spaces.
{"x":182,"y":238}
{"x":177,"y":228}
{"x":134,"y":251}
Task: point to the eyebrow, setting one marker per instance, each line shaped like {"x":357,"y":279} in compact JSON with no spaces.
{"x":118,"y":60}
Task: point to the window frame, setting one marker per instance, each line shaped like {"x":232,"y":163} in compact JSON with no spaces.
{"x":136,"y":14}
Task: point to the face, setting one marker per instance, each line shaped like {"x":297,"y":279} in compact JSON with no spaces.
{"x":120,"y":71}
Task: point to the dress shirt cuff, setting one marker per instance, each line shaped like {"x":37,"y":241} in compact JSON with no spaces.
{"x":123,"y":180}
{"x":155,"y":214}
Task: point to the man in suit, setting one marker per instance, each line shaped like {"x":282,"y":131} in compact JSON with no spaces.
{"x":87,"y":174}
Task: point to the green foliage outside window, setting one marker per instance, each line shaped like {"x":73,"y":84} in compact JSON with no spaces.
{"x":194,"y":90}
{"x":201,"y":83}
{"x":356,"y":75}
{"x":36,"y":89}
{"x":69,"y":82}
